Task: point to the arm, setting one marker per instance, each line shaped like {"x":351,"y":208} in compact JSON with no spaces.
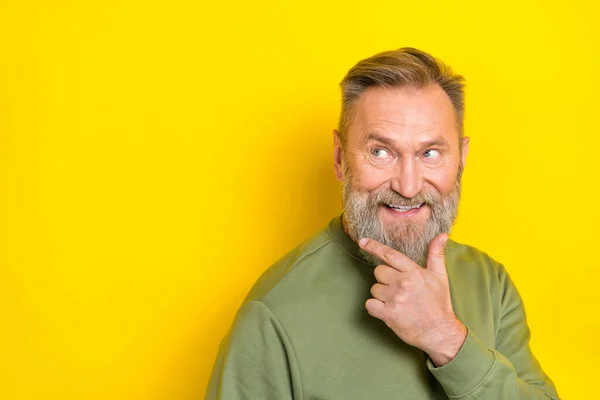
{"x":255,"y":360}
{"x":510,"y":371}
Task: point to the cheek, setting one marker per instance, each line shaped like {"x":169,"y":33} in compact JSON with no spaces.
{"x":368,"y":179}
{"x":443,"y":180}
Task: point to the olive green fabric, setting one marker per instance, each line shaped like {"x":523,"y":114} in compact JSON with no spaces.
{"x":303,"y":333}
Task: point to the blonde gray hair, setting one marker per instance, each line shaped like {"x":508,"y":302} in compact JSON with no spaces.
{"x":405,"y":67}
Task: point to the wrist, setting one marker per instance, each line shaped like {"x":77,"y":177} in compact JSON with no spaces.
{"x":450,"y":342}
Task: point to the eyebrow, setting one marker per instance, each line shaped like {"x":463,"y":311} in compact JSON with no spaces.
{"x":377,"y":137}
{"x":439,"y":141}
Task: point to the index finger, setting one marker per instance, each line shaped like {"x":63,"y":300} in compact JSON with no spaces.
{"x":391,"y":257}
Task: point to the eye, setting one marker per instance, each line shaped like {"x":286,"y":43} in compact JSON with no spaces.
{"x":431,"y":154}
{"x":380,"y":153}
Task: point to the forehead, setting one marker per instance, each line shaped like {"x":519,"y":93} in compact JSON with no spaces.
{"x":404,"y":110}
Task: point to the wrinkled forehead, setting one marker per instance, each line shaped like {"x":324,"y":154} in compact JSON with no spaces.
{"x":404,"y":111}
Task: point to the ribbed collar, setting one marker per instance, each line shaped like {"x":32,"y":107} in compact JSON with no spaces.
{"x":339,"y":235}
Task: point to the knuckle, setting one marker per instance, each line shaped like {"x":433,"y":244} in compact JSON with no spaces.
{"x":389,"y":254}
{"x":393,"y":319}
{"x":379,"y":272}
{"x":405,"y":284}
{"x":398,"y":298}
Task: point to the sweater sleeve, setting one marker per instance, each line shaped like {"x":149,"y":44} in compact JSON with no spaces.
{"x":255,"y":359}
{"x":509,"y":371}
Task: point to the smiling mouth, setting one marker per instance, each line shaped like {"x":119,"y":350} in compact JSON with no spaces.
{"x":403,"y":208}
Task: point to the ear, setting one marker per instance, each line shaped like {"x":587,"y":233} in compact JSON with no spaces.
{"x":337,"y":156}
{"x":465,"y":149}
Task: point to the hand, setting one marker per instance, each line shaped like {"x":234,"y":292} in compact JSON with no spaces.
{"x":415,"y":302}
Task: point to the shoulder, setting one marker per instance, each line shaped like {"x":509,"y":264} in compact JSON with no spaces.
{"x":463,"y":256}
{"x":296,"y":271}
{"x":469,"y":264}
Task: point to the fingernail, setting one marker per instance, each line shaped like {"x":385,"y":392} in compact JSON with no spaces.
{"x":362,"y":242}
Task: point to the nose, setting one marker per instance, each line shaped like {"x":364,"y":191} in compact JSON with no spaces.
{"x":407,"y":178}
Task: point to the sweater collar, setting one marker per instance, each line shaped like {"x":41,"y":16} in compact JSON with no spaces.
{"x":339,"y":235}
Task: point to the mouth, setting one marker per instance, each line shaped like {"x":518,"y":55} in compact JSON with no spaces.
{"x":398,"y":211}
{"x":404,"y":208}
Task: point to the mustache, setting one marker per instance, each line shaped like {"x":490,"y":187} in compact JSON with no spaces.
{"x":386,"y":196}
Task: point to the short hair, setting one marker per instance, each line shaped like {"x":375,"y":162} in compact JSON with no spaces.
{"x":405,"y":67}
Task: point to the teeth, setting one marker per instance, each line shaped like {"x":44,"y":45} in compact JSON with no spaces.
{"x":400,"y":208}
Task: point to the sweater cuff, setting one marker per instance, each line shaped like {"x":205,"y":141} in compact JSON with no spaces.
{"x":467,"y":370}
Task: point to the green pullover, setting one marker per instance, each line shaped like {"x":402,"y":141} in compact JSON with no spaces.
{"x":303,"y":333}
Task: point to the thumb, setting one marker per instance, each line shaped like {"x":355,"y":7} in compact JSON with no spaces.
{"x":435,"y":258}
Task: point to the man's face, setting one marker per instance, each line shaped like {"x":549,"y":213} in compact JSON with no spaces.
{"x":400,"y":168}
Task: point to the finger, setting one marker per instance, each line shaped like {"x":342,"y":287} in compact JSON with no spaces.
{"x":384,"y":273}
{"x":391,"y":257}
{"x":435,"y":258}
{"x":375,"y":308}
{"x":380,"y":292}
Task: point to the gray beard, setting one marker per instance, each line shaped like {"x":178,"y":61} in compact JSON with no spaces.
{"x":410,"y":238}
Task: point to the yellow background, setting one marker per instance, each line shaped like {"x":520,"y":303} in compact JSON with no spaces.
{"x":156,"y":157}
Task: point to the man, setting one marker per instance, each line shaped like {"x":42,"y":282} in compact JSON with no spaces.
{"x":381,"y":304}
